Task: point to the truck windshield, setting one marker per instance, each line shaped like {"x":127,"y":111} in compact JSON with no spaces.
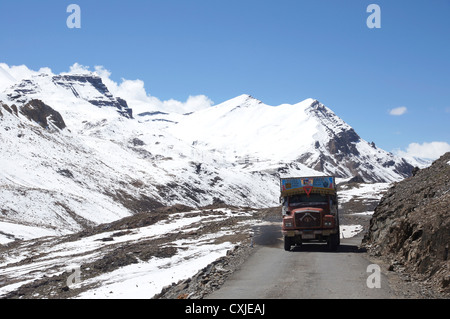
{"x":297,"y":200}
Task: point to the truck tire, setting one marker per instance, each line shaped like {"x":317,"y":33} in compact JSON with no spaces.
{"x":287,"y":243}
{"x":333,"y":242}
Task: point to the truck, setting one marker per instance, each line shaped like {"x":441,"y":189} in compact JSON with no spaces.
{"x":309,"y":211}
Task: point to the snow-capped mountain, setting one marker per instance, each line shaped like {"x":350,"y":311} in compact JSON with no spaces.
{"x":74,"y":155}
{"x":74,"y":164}
{"x":308,"y":133}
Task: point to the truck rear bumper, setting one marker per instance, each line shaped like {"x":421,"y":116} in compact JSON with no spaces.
{"x":308,"y":234}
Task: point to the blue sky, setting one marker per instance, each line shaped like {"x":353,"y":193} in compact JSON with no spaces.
{"x":280,"y":51}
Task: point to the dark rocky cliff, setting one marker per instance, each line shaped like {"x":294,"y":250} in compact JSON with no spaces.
{"x":411,"y":226}
{"x":41,"y":113}
{"x":37,"y":111}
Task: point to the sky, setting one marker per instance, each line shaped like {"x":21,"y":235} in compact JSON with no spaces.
{"x":391,"y":84}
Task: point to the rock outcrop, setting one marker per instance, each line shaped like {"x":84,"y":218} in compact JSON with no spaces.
{"x":41,"y":113}
{"x":37,"y":111}
{"x":102,"y":98}
{"x":411,"y":226}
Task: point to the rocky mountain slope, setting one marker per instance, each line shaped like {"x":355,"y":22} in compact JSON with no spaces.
{"x":411,"y":226}
{"x":63,"y":181}
{"x":84,"y":87}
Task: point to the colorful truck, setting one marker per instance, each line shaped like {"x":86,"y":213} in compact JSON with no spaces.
{"x":310,"y":211}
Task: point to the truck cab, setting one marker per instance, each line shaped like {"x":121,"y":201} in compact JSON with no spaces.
{"x":310,"y":211}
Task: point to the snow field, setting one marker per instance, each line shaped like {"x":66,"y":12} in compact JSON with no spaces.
{"x":363,"y":191}
{"x":141,"y":280}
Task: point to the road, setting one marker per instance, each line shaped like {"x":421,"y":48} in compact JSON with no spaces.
{"x":307,"y":272}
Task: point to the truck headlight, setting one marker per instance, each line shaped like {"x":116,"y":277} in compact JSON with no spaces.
{"x":288,"y":223}
{"x":328,"y":221}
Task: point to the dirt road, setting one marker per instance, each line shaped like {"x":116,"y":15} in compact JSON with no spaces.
{"x":307,"y":272}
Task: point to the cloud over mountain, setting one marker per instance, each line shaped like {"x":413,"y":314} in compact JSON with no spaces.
{"x":140,"y":100}
{"x":133,"y":91}
{"x":431,"y":150}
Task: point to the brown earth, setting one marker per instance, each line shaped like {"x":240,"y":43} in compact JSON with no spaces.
{"x":410,"y":228}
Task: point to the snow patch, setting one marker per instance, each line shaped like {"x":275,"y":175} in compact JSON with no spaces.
{"x":348,"y":231}
{"x":10,"y":232}
{"x":145,"y":279}
{"x":373,"y":191}
{"x":369,"y":213}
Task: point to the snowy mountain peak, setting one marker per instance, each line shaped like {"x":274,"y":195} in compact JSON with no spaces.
{"x":244,"y":98}
{"x":6,"y":79}
{"x":81,"y":86}
{"x":312,"y":102}
{"x":241,"y":101}
{"x":61,"y":89}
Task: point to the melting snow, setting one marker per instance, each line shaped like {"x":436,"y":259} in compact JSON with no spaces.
{"x":348,"y":231}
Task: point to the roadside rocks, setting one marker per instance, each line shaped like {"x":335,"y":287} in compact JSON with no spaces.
{"x":411,"y":226}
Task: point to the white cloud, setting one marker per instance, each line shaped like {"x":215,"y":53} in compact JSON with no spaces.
{"x":134,"y":92}
{"x":19,"y":72}
{"x":431,"y":150}
{"x":77,"y":68}
{"x":398,"y":111}
{"x":192,"y":104}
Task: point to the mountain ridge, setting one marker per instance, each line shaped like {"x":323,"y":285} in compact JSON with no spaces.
{"x":104,"y":164}
{"x":322,"y":137}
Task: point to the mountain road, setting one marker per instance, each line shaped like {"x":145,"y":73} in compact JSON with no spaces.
{"x":308,"y":271}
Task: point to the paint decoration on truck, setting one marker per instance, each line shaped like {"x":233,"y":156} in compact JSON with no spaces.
{"x":296,"y":185}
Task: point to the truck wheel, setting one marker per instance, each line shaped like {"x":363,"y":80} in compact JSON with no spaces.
{"x":287,"y":243}
{"x":333,"y":242}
